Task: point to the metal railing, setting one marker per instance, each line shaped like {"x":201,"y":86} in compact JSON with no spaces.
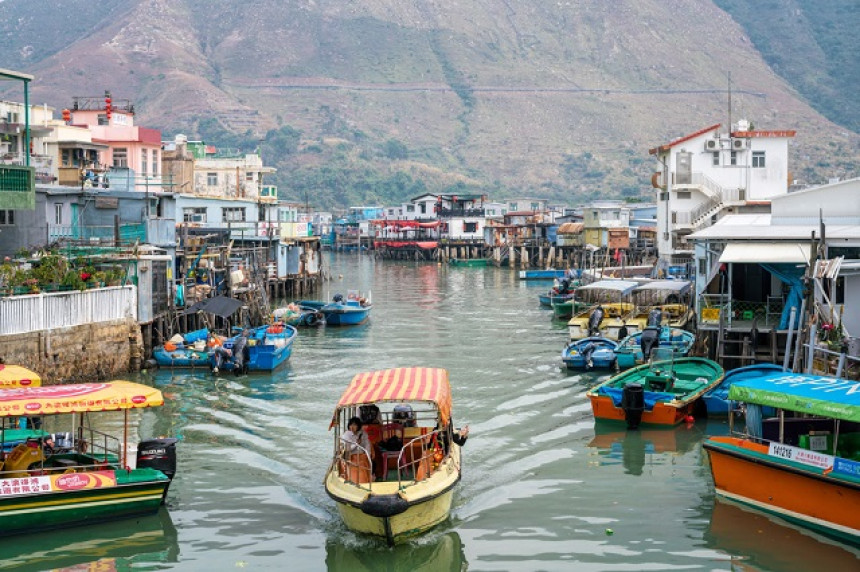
{"x":48,"y":311}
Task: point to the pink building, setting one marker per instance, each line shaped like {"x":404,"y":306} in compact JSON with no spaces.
{"x":133,"y":156}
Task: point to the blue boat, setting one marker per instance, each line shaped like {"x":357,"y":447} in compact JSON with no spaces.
{"x":590,"y":353}
{"x":191,"y":352}
{"x":263,"y":349}
{"x":717,"y":399}
{"x":351,"y":311}
{"x":630,"y":352}
{"x":541,"y":274}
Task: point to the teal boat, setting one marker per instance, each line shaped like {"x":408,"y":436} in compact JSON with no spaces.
{"x":630,"y":351}
{"x":474,"y":262}
{"x":564,"y":310}
{"x":664,"y":392}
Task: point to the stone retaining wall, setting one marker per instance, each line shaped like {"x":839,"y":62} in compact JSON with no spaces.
{"x":104,"y":350}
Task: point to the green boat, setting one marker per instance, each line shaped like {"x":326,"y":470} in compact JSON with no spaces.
{"x":82,"y":476}
{"x":469,"y":262}
{"x":565,"y":310}
{"x":663,"y":392}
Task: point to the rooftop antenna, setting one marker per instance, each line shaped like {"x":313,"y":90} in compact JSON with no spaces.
{"x":730,"y":102}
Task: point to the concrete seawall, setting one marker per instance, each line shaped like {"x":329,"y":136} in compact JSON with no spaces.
{"x":89,"y":352}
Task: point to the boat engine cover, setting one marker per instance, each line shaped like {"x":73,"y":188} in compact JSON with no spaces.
{"x":159,"y":454}
{"x":384,"y":505}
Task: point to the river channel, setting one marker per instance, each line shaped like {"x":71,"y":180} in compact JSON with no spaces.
{"x":543,"y":487}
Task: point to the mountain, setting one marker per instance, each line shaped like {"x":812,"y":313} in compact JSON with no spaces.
{"x":374,"y":101}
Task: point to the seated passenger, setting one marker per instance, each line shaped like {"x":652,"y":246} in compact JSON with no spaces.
{"x":404,"y":415}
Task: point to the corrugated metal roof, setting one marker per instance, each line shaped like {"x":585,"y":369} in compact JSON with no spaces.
{"x":773,"y":252}
{"x":571,"y":228}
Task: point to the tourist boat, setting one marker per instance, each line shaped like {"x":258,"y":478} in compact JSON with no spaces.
{"x":354,"y":310}
{"x":90,"y":478}
{"x":609,"y":307}
{"x":12,"y":376}
{"x":630,"y":351}
{"x":717,"y":400}
{"x":416,"y":487}
{"x":663,"y":392}
{"x":589,"y":353}
{"x":537,"y":274}
{"x":189,"y":350}
{"x":668,"y":299}
{"x":803,"y":466}
{"x":263,"y":349}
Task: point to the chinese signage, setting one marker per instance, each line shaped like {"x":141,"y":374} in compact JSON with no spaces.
{"x":57,"y":483}
{"x":805,"y":456}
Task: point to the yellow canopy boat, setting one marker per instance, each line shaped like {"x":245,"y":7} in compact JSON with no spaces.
{"x":412,"y":452}
{"x":17,"y":376}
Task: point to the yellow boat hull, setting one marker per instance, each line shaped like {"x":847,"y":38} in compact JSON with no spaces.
{"x":392,"y":510}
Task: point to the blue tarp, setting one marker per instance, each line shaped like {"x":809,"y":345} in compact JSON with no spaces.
{"x":792,"y":275}
{"x":651,"y":397}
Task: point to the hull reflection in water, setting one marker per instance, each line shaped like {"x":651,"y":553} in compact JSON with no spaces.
{"x":430,"y":554}
{"x":765,"y":544}
{"x":110,"y":546}
{"x":634,"y":446}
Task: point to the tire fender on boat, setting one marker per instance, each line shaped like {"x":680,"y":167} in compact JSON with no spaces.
{"x":384,"y":505}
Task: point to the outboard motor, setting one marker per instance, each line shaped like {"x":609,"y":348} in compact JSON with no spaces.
{"x":594,"y":321}
{"x":655,"y":317}
{"x":587,"y":352}
{"x":633,"y":404}
{"x":338,"y":298}
{"x":239,"y":357}
{"x":159,"y":454}
{"x":649,"y":340}
{"x":564,"y":286}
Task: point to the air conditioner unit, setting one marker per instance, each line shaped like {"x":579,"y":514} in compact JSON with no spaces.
{"x":712,"y":145}
{"x":197,"y":218}
{"x":740,"y":143}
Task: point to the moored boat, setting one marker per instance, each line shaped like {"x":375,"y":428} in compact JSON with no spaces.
{"x":663,"y":392}
{"x":258,"y":349}
{"x":471,"y":262}
{"x":607,"y":314}
{"x":189,"y":350}
{"x":91,"y":480}
{"x":589,"y":353}
{"x":297,"y":315}
{"x":537,"y":274}
{"x":564,"y":310}
{"x":668,"y":299}
{"x":717,"y":400}
{"x":804,"y":466}
{"x":415,"y":476}
{"x":636,"y":348}
{"x":353,"y":310}
{"x":12,"y":376}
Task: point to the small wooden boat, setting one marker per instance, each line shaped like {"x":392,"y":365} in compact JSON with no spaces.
{"x":353,"y":310}
{"x":91,"y":480}
{"x":419,"y":473}
{"x":297,"y":315}
{"x":804,"y":466}
{"x":564,"y":310}
{"x":537,"y":274}
{"x":191,"y":351}
{"x":12,"y":376}
{"x":589,"y":353}
{"x":717,"y":399}
{"x":609,"y":308}
{"x":667,"y":299}
{"x":631,"y":353}
{"x":663,"y":392}
{"x":554,"y":297}
{"x":262,"y":349}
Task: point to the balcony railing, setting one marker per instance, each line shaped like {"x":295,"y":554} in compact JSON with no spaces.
{"x":448,"y":213}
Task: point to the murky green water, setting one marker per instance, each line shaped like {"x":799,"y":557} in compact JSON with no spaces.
{"x":541,"y":487}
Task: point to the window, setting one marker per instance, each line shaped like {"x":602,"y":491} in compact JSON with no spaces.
{"x":685,"y":194}
{"x":103,"y":120}
{"x":7,"y":217}
{"x":233,"y":214}
{"x":155,"y":162}
{"x":261,"y":214}
{"x":758,"y":159}
{"x":423,"y":208}
{"x":194,"y":214}
{"x":249,"y":176}
{"x":144,"y":165}
{"x":734,"y":159}
{"x":410,"y":208}
{"x":58,"y":213}
{"x":120,"y":157}
{"x":470,"y":227}
{"x":664,"y":196}
{"x":212,"y":179}
{"x":716,"y":159}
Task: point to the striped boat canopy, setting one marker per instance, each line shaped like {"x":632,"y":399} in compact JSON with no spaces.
{"x":78,"y":398}
{"x":399,"y":384}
